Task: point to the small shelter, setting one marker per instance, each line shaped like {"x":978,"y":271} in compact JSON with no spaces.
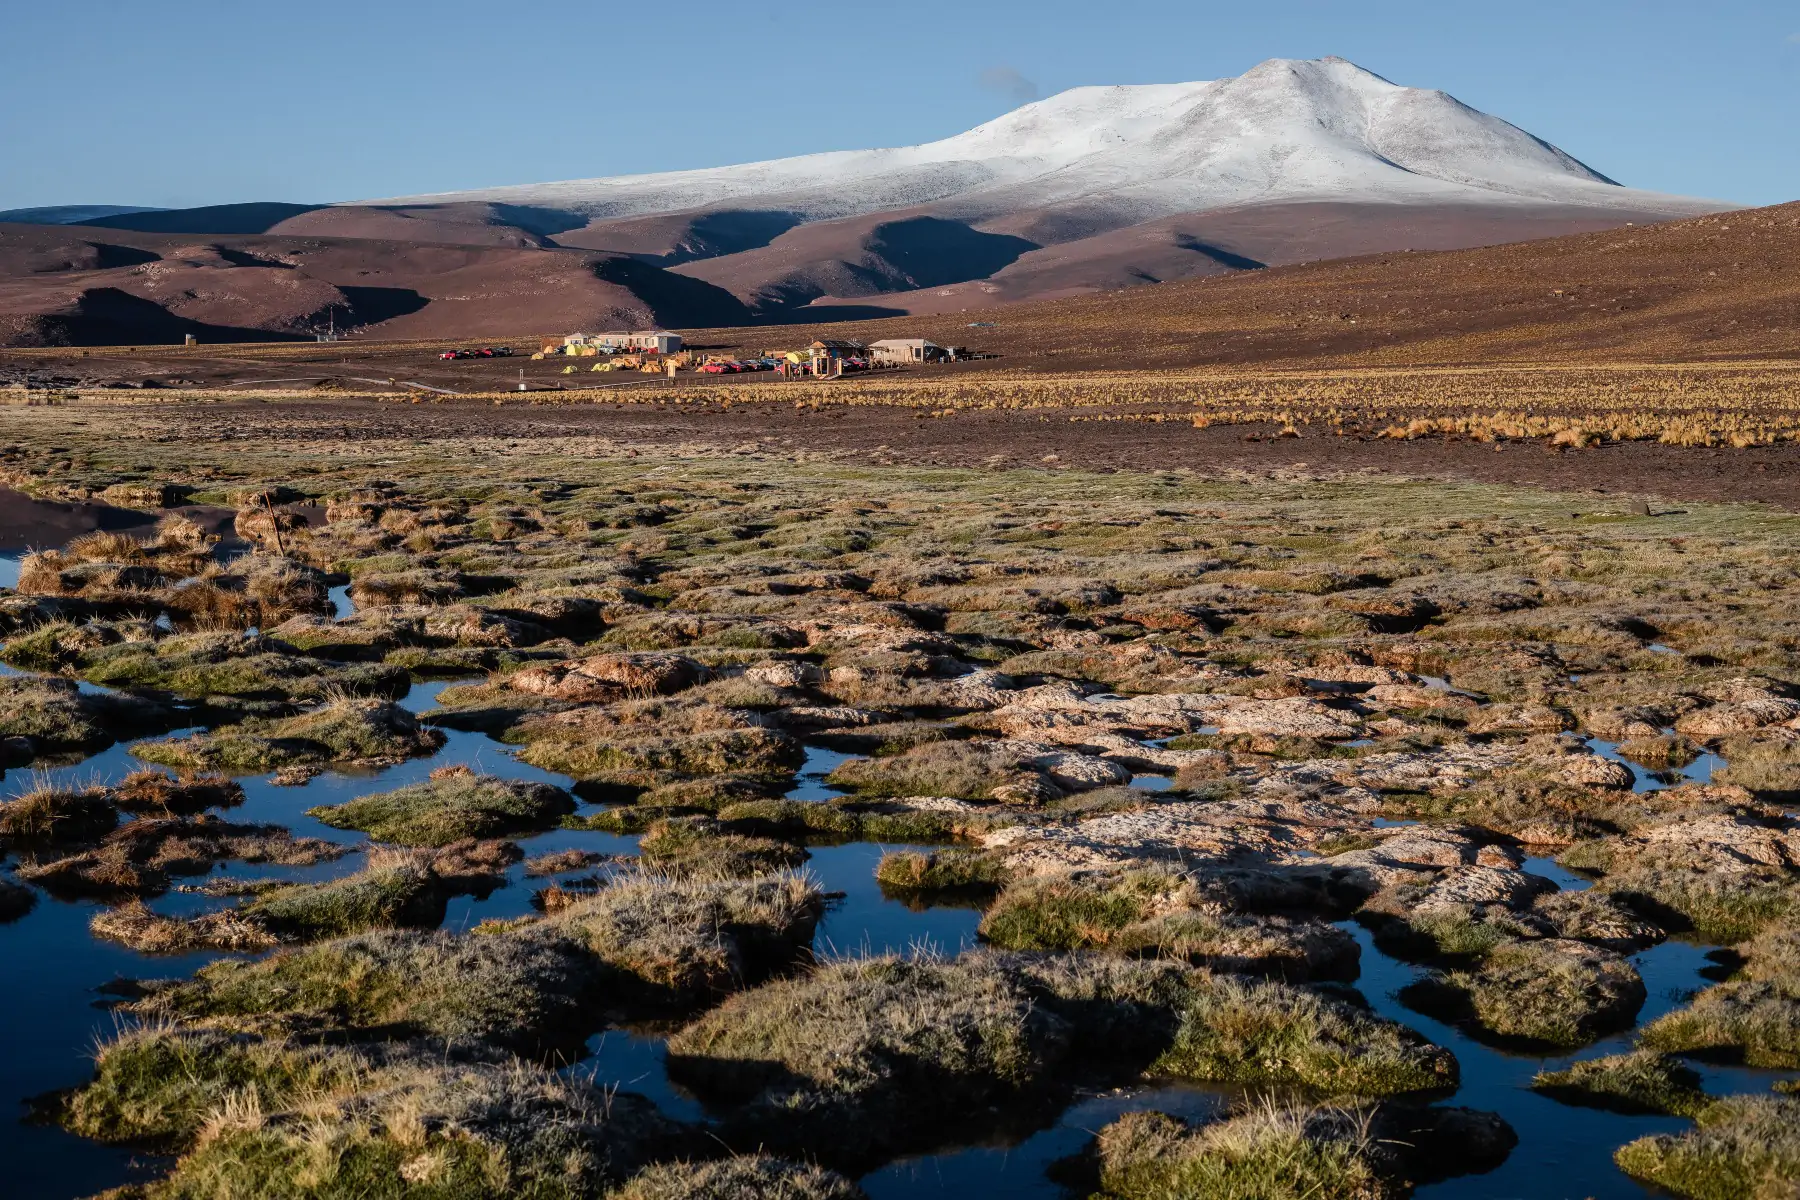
{"x":894,"y":351}
{"x":827,"y":355}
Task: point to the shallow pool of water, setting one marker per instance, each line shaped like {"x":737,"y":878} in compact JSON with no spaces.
{"x":1644,"y":779}
{"x":28,"y":524}
{"x":55,"y":969}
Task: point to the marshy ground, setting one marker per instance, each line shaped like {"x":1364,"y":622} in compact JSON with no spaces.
{"x":552,"y":811}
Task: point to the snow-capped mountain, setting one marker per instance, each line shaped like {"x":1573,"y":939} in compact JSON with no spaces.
{"x":1285,"y":131}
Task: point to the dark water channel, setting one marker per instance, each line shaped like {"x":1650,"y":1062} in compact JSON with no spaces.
{"x":50,"y":970}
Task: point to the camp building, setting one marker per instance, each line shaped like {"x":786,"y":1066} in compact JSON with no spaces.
{"x":893,"y":351}
{"x":656,"y":341}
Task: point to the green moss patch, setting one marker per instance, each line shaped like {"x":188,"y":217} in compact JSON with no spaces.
{"x":1742,"y":1148}
{"x":1159,"y":912}
{"x":452,"y":805}
{"x":1546,"y":993}
{"x":370,"y":732}
{"x":1639,"y":1082}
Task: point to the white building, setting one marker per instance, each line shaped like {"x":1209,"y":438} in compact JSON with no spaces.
{"x":904,"y":350}
{"x":654,"y":340}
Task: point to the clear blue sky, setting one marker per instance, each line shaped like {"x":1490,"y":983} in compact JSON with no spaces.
{"x":180,"y":102}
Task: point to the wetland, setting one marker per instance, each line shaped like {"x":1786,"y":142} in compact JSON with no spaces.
{"x":427,"y":816}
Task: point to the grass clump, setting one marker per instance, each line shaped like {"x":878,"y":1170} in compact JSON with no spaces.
{"x":455,"y":803}
{"x":1722,"y":907}
{"x":1543,"y":993}
{"x":1754,"y":1018}
{"x":747,"y":1177}
{"x":420,"y":1130}
{"x":1639,"y":1082}
{"x":962,"y":770}
{"x":53,"y":814}
{"x":1267,"y":1149}
{"x":1741,"y":1148}
{"x":699,"y":848}
{"x":530,"y":994}
{"x":840,"y":1059}
{"x":59,"y":718}
{"x":955,"y":871}
{"x":242,"y":666}
{"x":1159,"y":912}
{"x":141,"y":857}
{"x":157,"y":1086}
{"x":1271,"y":1151}
{"x":656,"y":760}
{"x":370,"y":732}
{"x":677,"y":942}
{"x":392,"y":892}
{"x":1276,"y":1035}
{"x":642,"y":944}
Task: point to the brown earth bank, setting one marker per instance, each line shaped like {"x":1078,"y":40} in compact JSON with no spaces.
{"x":1612,"y":474}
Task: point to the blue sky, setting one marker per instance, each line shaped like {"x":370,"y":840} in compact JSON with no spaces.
{"x":179,"y":102}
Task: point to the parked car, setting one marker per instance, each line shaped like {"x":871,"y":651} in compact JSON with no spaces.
{"x":503,"y":351}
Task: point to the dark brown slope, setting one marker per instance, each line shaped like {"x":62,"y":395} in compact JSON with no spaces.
{"x":1223,"y":241}
{"x":74,"y":285}
{"x":858,"y":257}
{"x":469,"y":224}
{"x":1724,"y":286}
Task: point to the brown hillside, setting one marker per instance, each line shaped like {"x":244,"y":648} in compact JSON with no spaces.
{"x":1725,"y":286}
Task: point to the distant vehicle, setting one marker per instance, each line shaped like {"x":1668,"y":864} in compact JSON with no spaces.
{"x":455,"y":354}
{"x":716,"y":368}
{"x":503,"y":352}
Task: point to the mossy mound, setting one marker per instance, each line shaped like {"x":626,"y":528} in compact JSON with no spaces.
{"x":474,"y":1131}
{"x":681,"y":942}
{"x":852,"y":819}
{"x":529,"y":994}
{"x":1275,"y":1035}
{"x":698,"y":848}
{"x":748,"y":1177}
{"x":1715,"y":906}
{"x":242,"y":666}
{"x":651,"y":761}
{"x":1159,"y":912}
{"x":1639,"y":1082}
{"x":452,"y":805}
{"x":157,"y":1086}
{"x":962,"y":770}
{"x":1754,"y":1018}
{"x":1269,"y":1150}
{"x":371,"y":732}
{"x":957,"y":871}
{"x":57,"y":815}
{"x":1742,"y":1148}
{"x":839,"y":1058}
{"x":1549,"y":993}
{"x":638,"y":946}
{"x":387,"y":895}
{"x":59,"y":718}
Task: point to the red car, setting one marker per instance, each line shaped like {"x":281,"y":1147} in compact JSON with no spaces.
{"x":719,"y":368}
